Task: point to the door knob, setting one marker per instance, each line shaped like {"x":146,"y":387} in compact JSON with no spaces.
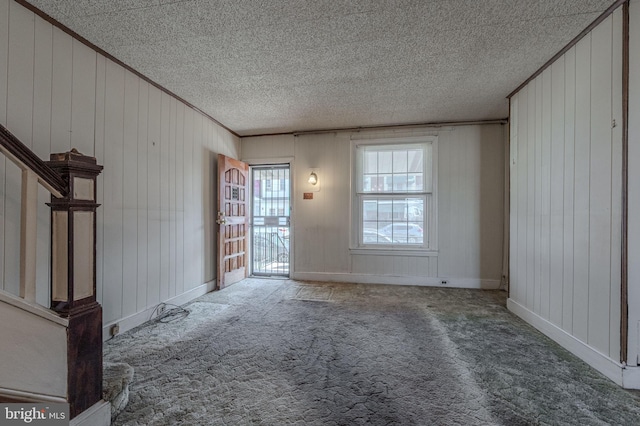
{"x":221,"y":219}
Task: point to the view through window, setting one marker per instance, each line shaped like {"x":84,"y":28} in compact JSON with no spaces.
{"x":394,"y":192}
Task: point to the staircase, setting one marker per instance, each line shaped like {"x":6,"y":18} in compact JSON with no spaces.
{"x":117,"y":377}
{"x":55,"y":352}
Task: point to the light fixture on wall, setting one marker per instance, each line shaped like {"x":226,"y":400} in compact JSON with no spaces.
{"x":313,"y":178}
{"x":312,"y":183}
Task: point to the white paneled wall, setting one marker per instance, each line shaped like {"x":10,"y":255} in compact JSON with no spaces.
{"x":156,"y":239}
{"x":470,"y":209}
{"x":566,"y":168}
{"x":634,"y":183}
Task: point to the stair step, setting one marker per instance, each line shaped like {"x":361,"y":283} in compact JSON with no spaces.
{"x":115,"y":387}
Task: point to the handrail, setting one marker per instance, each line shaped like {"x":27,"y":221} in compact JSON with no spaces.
{"x":73,"y":299}
{"x":34,"y":170}
{"x":25,"y":159}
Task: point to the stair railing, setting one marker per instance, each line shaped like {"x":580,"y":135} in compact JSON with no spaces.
{"x":71,"y":179}
{"x":34,"y":171}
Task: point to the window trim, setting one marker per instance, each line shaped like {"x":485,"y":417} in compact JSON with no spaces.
{"x":431,"y":223}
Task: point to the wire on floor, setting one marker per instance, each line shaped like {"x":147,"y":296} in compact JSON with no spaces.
{"x":167,"y":315}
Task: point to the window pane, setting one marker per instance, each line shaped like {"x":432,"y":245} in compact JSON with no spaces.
{"x":415,"y":182}
{"x":400,"y":182}
{"x":428,"y":164}
{"x":415,"y":159}
{"x":385,"y":162}
{"x":393,"y":220}
{"x":400,"y":161}
{"x":370,"y":162}
{"x":394,"y":168}
{"x":387,"y":183}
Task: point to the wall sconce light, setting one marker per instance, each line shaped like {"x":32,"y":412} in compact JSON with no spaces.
{"x":313,"y":178}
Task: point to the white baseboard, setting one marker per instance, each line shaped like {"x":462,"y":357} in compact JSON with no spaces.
{"x":625,"y":376}
{"x":398,"y":280}
{"x":631,"y":377}
{"x":99,"y":414}
{"x":132,"y":321}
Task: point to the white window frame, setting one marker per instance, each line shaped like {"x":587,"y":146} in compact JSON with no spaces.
{"x":430,"y":225}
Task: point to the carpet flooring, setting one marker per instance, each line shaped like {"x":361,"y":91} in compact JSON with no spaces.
{"x":281,"y":352}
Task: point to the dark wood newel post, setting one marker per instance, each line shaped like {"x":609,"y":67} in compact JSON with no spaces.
{"x":73,"y":276}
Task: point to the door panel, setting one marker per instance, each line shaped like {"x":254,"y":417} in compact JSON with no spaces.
{"x":232,"y":220}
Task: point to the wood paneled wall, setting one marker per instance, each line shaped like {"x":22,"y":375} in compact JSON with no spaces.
{"x":156,"y":238}
{"x":566,"y":187}
{"x":470,"y":208}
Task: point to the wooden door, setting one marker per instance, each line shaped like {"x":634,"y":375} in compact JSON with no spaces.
{"x":233,"y":220}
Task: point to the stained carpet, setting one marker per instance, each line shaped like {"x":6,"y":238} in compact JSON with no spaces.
{"x":274,"y":352}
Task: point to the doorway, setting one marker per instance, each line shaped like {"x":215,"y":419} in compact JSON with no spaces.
{"x":270,"y":219}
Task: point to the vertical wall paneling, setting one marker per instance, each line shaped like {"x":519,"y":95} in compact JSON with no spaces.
{"x":490,"y":201}
{"x":11,"y":271}
{"x":83,"y":98}
{"x":165,"y":111}
{"x":513,"y":184}
{"x":4,"y":59}
{"x":43,"y":248}
{"x":633,"y":352}
{"x":334,"y":170}
{"x":142,"y":196}
{"x":582,"y":180}
{"x":600,"y":188}
{"x":568,"y":201}
{"x":198,"y":214}
{"x":173,"y":115}
{"x":616,"y":186}
{"x":573,"y":166}
{"x":61,"y":91}
{"x":536,"y":265}
{"x":189,"y":229}
{"x":101,"y":64}
{"x":20,"y":73}
{"x":556,"y":199}
{"x":19,"y":100}
{"x":153,"y":197}
{"x":446,"y":222}
{"x":207,"y":159}
{"x":155,"y":233}
{"x":113,"y":187}
{"x":545,"y":190}
{"x":42,"y":69}
{"x":522,"y":181}
{"x":130,"y":194}
{"x":180,"y":257}
{"x":470,"y":163}
{"x":531,"y":195}
{"x":203,"y":209}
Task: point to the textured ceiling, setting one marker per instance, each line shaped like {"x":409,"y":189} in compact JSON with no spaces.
{"x":268,"y":66}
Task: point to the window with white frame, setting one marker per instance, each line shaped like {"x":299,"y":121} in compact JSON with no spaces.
{"x":394,"y":198}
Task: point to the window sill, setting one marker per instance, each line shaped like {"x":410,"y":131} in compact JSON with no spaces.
{"x":375,"y":251}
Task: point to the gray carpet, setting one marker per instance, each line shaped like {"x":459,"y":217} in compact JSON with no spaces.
{"x":282,"y":352}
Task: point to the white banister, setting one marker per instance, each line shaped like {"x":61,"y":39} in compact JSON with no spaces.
{"x":28,"y":235}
